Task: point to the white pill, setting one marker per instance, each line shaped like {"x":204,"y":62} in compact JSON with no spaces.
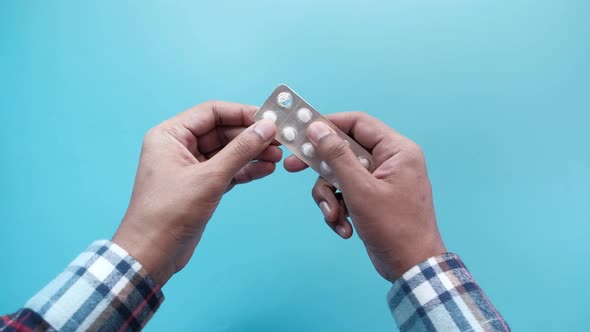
{"x":289,"y":133}
{"x":308,"y":150}
{"x":304,"y":115}
{"x":325,"y":168}
{"x":270,"y":115}
{"x":365,"y":162}
{"x":285,"y":99}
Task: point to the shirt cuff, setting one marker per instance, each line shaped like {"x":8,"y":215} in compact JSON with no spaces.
{"x":440,"y":294}
{"x":104,"y":288}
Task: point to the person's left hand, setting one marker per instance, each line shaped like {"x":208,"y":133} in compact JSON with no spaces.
{"x":187,"y":163}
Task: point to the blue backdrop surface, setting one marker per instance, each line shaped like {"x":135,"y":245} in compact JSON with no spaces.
{"x":496,"y":92}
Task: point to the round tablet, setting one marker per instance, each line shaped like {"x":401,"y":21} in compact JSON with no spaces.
{"x":304,"y":115}
{"x":308,"y":150}
{"x":325,"y":168}
{"x":365,"y":162}
{"x":285,"y":99}
{"x":270,"y":115}
{"x":289,"y":133}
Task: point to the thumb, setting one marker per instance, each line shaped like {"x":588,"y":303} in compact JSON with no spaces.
{"x":332,"y":149}
{"x":245,"y":147}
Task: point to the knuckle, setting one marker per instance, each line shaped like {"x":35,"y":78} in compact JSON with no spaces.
{"x":243,"y":146}
{"x":337,"y":150}
{"x":173,"y":130}
{"x":316,"y":193}
{"x":168,"y":127}
{"x":209,"y":103}
{"x":416,"y":150}
{"x":414,"y":154}
{"x":209,"y":106}
{"x":244,"y":175}
{"x":153,"y":133}
{"x":361,"y":114}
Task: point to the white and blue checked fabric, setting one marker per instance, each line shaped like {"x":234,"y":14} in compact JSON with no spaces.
{"x":440,"y":294}
{"x":103,"y":289}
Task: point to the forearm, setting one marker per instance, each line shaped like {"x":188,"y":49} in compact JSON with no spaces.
{"x":440,"y":294}
{"x":102,"y":288}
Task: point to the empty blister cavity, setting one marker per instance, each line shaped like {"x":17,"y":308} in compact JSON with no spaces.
{"x":289,"y":133}
{"x":325,"y":168}
{"x":285,"y":99}
{"x":365,"y":162}
{"x":304,"y":115}
{"x":270,"y":115}
{"x":308,"y":150}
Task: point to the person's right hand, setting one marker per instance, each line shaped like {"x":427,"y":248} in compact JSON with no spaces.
{"x":392,"y":208}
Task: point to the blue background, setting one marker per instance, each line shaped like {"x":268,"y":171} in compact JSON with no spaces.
{"x":496,"y":92}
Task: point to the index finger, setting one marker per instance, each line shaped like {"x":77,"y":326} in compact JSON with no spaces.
{"x":203,"y":118}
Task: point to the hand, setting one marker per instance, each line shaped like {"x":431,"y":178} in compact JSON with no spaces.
{"x":391,"y":209}
{"x":187,"y":163}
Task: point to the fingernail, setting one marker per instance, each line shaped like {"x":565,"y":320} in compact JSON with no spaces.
{"x":318,"y":130}
{"x":341,"y":230}
{"x":325,"y":208}
{"x":265,"y":129}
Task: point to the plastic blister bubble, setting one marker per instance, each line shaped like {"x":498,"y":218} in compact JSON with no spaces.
{"x":293,"y":115}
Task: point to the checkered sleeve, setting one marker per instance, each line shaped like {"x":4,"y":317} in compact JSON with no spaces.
{"x":440,"y":294}
{"x":103,"y":289}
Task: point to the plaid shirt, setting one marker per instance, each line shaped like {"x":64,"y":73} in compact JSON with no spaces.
{"x":439,"y":294}
{"x":105,"y":289}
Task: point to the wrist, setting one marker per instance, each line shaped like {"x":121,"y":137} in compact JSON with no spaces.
{"x":408,"y":257}
{"x":150,"y":254}
{"x":406,"y":263}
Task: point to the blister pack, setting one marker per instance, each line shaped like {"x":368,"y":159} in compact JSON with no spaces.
{"x":292,"y":115}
